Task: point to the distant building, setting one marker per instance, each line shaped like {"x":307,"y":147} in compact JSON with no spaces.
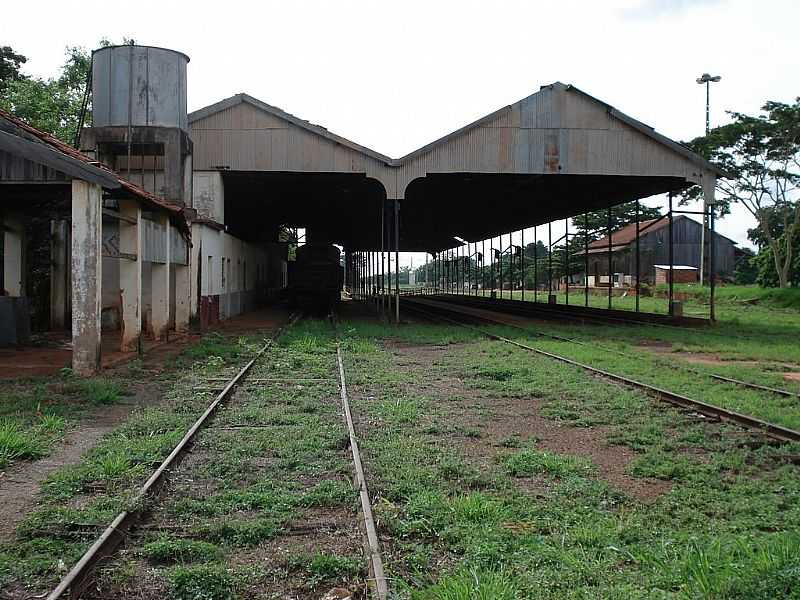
{"x":654,"y":250}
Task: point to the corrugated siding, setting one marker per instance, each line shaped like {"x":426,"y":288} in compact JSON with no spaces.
{"x":14,"y":168}
{"x":179,"y":248}
{"x":552,"y":131}
{"x":154,"y":242}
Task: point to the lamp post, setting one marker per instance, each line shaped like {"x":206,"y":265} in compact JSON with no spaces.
{"x":706,"y":79}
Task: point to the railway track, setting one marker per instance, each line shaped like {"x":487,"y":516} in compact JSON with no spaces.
{"x":456,"y":317}
{"x":738,"y":382}
{"x":237,"y":399}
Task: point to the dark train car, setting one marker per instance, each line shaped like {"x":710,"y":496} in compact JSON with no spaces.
{"x":316,"y":277}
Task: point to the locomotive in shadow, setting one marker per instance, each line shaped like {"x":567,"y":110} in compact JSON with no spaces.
{"x":316,"y":278}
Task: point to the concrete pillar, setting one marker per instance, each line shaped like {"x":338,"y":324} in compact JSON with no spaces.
{"x":130,"y":275}
{"x":160,"y":274}
{"x":59,"y":274}
{"x":87,"y":237}
{"x":196,"y":271}
{"x":182,"y":297}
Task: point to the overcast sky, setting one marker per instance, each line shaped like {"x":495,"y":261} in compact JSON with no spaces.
{"x":396,"y":75}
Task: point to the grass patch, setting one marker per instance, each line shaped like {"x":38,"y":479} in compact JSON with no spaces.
{"x":470,"y":585}
{"x":16,"y":443}
{"x":534,"y":462}
{"x":568,"y":534}
{"x":327,"y":567}
{"x":168,"y":550}
{"x":201,"y":582}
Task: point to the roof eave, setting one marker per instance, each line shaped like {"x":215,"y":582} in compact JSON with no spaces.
{"x":43,"y":154}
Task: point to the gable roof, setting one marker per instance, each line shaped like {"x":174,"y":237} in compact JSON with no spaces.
{"x":18,"y":137}
{"x":642,"y":128}
{"x":625,"y":236}
{"x":242,"y":98}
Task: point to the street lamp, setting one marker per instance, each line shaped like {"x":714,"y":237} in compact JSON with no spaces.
{"x":708,"y":80}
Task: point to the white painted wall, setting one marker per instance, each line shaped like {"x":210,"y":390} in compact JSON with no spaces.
{"x":229,"y":269}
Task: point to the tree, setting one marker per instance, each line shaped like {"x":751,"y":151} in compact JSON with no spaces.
{"x":54,"y":104}
{"x":745,"y":271}
{"x":10,"y":63}
{"x":761,"y":156}
{"x":621,"y":215}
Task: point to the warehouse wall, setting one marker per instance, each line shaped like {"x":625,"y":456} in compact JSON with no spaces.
{"x":232,"y":274}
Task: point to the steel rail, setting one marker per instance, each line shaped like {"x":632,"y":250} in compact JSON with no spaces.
{"x":546,"y":310}
{"x":77,"y":580}
{"x":776,"y":432}
{"x":376,"y":563}
{"x":746,"y":384}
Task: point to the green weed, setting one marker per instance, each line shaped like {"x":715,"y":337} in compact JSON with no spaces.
{"x":201,"y":582}
{"x":532,"y":462}
{"x":470,"y":585}
{"x":16,"y":443}
{"x":169,"y":550}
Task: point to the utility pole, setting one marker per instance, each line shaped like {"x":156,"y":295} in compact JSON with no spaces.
{"x":707,"y":79}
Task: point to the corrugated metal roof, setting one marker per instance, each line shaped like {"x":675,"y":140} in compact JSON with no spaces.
{"x":497,"y":114}
{"x":274,"y":110}
{"x":627,"y":234}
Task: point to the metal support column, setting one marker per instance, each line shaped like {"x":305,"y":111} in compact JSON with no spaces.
{"x":671,"y":261}
{"x":610,"y":254}
{"x":535,"y":266}
{"x":397,"y":259}
{"x":522,"y":261}
{"x":566,"y":256}
{"x":711,"y":263}
{"x":586,"y":259}
{"x":638,"y":257}
{"x":549,"y":260}
{"x":469,"y":270}
{"x":493,"y":283}
{"x":483,"y":268}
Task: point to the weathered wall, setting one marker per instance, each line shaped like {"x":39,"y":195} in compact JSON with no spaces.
{"x":208,"y":195}
{"x":14,"y":255}
{"x":231,"y":274}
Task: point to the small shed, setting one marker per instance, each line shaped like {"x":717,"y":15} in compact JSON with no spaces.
{"x":681,"y":274}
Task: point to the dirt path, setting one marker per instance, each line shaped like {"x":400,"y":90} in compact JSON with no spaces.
{"x":495,"y":420}
{"x":19,"y":485}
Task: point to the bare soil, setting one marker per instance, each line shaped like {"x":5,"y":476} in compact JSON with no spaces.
{"x":19,"y":485}
{"x":498,"y":419}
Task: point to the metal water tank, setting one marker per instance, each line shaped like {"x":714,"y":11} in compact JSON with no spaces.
{"x":139,"y":86}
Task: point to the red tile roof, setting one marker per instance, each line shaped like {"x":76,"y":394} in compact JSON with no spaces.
{"x":53,"y":142}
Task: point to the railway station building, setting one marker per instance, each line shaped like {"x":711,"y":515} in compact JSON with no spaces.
{"x":161,"y":218}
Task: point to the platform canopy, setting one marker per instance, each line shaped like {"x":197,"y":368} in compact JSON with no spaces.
{"x":555,"y":154}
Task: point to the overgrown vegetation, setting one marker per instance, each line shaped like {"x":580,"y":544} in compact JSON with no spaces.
{"x":537,"y":524}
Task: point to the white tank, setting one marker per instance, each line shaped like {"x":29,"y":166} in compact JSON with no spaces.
{"x":139,"y":86}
